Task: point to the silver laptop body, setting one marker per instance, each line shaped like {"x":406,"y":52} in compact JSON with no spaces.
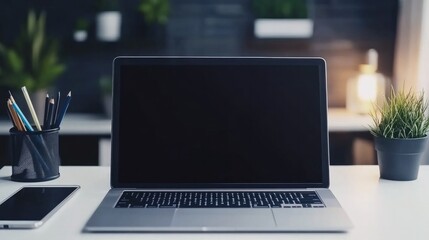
{"x":219,"y":144}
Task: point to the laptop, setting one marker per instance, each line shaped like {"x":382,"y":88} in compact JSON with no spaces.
{"x":219,"y":144}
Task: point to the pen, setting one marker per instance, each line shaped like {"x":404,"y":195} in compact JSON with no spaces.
{"x":51,"y":108}
{"x":45,"y":114}
{"x":57,"y":106}
{"x":31,"y":108}
{"x":63,"y":110}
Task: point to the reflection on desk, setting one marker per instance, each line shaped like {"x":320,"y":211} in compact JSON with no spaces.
{"x":379,"y":209}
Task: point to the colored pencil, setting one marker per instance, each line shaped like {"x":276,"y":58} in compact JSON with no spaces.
{"x":15,"y":119}
{"x":20,"y":114}
{"x":31,"y":108}
{"x":9,"y":113}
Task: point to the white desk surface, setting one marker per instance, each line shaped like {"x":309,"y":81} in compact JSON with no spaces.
{"x":379,"y":209}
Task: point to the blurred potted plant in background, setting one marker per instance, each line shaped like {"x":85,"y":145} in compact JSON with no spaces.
{"x":155,"y":14}
{"x":108,"y":20}
{"x":32,"y":61}
{"x":81,"y":30}
{"x":282,"y":19}
{"x":155,"y":11}
{"x":105,"y":83}
{"x":400,"y":128}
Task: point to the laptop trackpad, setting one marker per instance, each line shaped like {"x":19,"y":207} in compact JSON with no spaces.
{"x":215,"y":218}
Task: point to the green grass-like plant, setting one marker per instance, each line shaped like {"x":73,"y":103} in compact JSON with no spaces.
{"x":33,"y":59}
{"x":155,"y":11}
{"x":403,"y":115}
{"x":280,"y":8}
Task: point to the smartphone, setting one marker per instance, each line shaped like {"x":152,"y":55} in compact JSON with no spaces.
{"x":31,"y":206}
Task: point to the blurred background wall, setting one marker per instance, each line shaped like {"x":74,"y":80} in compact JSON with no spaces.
{"x":343,"y":31}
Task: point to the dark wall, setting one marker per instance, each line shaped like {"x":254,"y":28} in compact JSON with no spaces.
{"x":343,"y":31}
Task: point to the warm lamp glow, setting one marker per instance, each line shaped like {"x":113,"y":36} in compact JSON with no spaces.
{"x":366,"y":90}
{"x":367,"y":87}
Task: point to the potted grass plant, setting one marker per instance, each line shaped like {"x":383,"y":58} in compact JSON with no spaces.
{"x":400,"y":128}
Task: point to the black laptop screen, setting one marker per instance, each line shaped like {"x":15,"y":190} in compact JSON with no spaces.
{"x":193,"y":123}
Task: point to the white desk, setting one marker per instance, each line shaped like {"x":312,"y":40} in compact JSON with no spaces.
{"x":379,"y":209}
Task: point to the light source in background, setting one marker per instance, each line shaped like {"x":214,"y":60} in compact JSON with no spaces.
{"x":367,"y":89}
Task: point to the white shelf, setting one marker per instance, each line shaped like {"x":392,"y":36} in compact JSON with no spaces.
{"x":283,"y":28}
{"x":74,"y":124}
{"x":339,"y":120}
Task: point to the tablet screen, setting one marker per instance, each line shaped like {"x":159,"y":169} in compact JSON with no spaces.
{"x":33,"y":203}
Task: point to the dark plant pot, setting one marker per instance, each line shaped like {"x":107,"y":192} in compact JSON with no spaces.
{"x":399,"y":159}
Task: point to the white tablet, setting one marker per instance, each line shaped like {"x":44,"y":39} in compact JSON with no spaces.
{"x":32,"y":205}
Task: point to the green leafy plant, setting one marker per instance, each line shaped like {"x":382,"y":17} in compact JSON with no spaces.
{"x":33,"y":59}
{"x":155,"y":11}
{"x":106,"y":5}
{"x":280,"y":8}
{"x":82,"y":24}
{"x":105,"y":83}
{"x":403,"y":115}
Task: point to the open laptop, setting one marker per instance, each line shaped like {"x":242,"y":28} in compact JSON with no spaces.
{"x":219,"y":144}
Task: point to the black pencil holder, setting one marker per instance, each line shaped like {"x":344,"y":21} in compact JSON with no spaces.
{"x":34,"y":155}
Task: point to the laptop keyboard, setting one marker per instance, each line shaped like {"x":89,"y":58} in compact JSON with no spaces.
{"x":289,"y":199}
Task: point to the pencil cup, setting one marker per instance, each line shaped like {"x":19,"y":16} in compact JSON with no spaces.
{"x":34,"y":155}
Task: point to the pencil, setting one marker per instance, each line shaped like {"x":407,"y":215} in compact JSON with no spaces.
{"x":63,"y":110}
{"x":20,"y":123}
{"x":20,"y":114}
{"x":31,"y":108}
{"x":12,"y":100}
{"x":15,"y":119}
{"x":9,"y":113}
